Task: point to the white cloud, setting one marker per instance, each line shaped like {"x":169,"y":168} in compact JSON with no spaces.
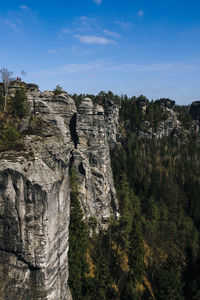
{"x":111,"y":33}
{"x":140,"y":13}
{"x":93,"y":39}
{"x":24,"y":7}
{"x":84,"y":24}
{"x":123,"y":24}
{"x":66,"y":31}
{"x":97,"y":1}
{"x":11,"y":25}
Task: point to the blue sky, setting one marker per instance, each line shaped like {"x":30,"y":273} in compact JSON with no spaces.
{"x":149,"y":47}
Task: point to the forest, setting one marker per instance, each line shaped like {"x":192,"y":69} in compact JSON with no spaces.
{"x":152,"y":251}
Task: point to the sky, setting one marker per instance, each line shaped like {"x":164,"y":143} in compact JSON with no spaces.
{"x":133,"y":47}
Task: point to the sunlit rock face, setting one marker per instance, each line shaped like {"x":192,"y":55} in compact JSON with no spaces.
{"x":35,"y":192}
{"x":92,"y":158}
{"x":34,"y":218}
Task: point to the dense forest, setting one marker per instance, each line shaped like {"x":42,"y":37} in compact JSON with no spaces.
{"x":152,"y":250}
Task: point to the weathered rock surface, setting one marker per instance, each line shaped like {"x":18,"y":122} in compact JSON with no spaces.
{"x":35,"y":192}
{"x":165,"y":127}
{"x":111,"y":121}
{"x":34,"y":218}
{"x":92,"y":158}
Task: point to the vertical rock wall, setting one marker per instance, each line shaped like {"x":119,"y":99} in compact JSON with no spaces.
{"x":35,"y":193}
{"x":92,"y":158}
{"x":34,"y":218}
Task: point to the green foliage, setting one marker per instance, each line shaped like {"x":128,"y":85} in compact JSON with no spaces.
{"x":10,"y":136}
{"x":78,"y":241}
{"x":58,"y":90}
{"x":18,"y":104}
{"x":165,"y":179}
{"x":169,"y":284}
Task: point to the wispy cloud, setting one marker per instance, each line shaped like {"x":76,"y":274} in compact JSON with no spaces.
{"x":85,"y":23}
{"x":111,"y":33}
{"x":86,"y":19}
{"x":97,"y":1}
{"x":78,"y":51}
{"x":73,"y":68}
{"x":11,"y":25}
{"x":66,"y":31}
{"x":123,"y":24}
{"x":109,"y":66}
{"x":155,"y":67}
{"x":82,"y":24}
{"x":93,"y":39}
{"x":24,"y":7}
{"x":140,"y":13}
{"x":52,"y":51}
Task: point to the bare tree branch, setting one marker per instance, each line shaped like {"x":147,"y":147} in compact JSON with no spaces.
{"x":6,"y":78}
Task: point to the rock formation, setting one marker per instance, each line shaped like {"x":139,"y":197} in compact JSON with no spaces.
{"x":165,"y":127}
{"x":35,"y":192}
{"x":92,"y":159}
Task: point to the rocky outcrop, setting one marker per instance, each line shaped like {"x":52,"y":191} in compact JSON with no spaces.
{"x":142,"y":103}
{"x":165,"y":103}
{"x":35,"y":191}
{"x":165,"y":127}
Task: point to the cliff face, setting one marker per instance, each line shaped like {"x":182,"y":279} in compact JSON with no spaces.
{"x":92,"y":158}
{"x":35,"y":192}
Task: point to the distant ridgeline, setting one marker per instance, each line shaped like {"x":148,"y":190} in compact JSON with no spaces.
{"x":115,"y":179}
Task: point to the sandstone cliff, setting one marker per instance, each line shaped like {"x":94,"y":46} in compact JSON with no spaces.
{"x":35,"y":191}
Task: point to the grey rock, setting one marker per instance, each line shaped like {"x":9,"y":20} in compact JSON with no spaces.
{"x":111,"y":121}
{"x":165,"y":127}
{"x":35,"y":191}
{"x":146,"y":124}
{"x":34,"y":218}
{"x":92,"y":158}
